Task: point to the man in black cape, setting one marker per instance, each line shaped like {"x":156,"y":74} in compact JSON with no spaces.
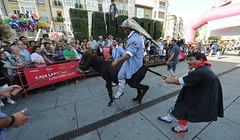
{"x":200,"y":99}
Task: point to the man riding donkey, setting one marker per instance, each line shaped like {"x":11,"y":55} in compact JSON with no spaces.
{"x":133,"y":58}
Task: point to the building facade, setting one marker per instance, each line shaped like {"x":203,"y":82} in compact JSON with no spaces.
{"x":174,"y":27}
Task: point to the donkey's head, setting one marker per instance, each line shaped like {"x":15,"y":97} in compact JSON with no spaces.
{"x":85,"y":62}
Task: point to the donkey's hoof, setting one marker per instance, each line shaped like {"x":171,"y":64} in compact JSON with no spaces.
{"x":135,"y":99}
{"x":109,"y":104}
{"x":140,"y":102}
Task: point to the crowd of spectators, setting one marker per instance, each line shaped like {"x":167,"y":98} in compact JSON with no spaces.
{"x":23,"y":52}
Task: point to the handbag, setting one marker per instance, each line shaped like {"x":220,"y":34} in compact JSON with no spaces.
{"x":170,"y":64}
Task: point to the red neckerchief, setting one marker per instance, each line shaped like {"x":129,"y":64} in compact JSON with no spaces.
{"x":200,"y":64}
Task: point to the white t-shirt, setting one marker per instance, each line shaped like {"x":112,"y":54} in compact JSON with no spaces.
{"x":37,"y":57}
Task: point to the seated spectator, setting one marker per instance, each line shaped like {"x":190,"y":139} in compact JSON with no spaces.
{"x":106,"y":51}
{"x":6,"y":72}
{"x":49,"y":54}
{"x":23,"y":51}
{"x":60,"y":53}
{"x":16,"y":58}
{"x":37,"y":57}
{"x":70,"y":54}
{"x":31,"y":46}
{"x":6,"y":48}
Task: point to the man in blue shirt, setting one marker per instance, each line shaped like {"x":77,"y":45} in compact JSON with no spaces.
{"x":173,"y":57}
{"x":133,"y":59}
{"x":117,"y":51}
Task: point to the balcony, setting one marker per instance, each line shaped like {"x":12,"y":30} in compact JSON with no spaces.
{"x":44,"y":18}
{"x":41,"y":2}
{"x":57,"y":3}
{"x":12,"y":0}
{"x":59,"y":19}
{"x":78,"y":5}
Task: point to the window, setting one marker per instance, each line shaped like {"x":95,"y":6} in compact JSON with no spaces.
{"x":31,"y":9}
{"x":41,"y":2}
{"x":140,"y":12}
{"x":16,"y":11}
{"x":57,"y":3}
{"x":61,"y":28}
{"x":100,"y":7}
{"x":27,"y":0}
{"x":68,"y":3}
{"x":162,"y":5}
{"x":161,"y":14}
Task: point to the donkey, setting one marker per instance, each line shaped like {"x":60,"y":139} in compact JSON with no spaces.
{"x":110,"y":74}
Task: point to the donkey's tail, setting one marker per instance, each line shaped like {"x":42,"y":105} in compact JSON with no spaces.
{"x":154,"y":72}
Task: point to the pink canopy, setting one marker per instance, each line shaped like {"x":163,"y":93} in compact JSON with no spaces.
{"x":212,"y":14}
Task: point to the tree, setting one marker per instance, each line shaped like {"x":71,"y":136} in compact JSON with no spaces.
{"x":5,"y":30}
{"x":214,"y":38}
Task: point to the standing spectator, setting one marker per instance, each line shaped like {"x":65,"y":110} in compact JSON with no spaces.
{"x":110,"y":40}
{"x":173,"y":57}
{"x":25,"y":41}
{"x":200,"y":99}
{"x":93,"y":45}
{"x":106,"y":51}
{"x":215,"y":46}
{"x":113,"y":10}
{"x":73,"y":45}
{"x":37,"y":57}
{"x":23,"y":51}
{"x":117,"y":51}
{"x":100,"y":41}
{"x":50,"y":54}
{"x":100,"y":51}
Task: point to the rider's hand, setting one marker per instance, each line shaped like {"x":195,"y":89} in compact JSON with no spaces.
{"x":164,"y":77}
{"x":114,"y":63}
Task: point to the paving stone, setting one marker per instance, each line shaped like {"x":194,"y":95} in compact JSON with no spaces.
{"x":232,"y":113}
{"x":134,"y":127}
{"x":94,"y":109}
{"x":89,"y":136}
{"x":47,"y":124}
{"x":73,"y":95}
{"x":160,"y":109}
{"x":223,"y":129}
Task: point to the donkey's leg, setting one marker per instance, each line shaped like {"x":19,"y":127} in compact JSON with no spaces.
{"x":139,"y":92}
{"x":110,"y":92}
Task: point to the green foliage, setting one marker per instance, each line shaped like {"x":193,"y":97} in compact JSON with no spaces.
{"x":5,"y":30}
{"x":148,"y":25}
{"x":98,"y":25}
{"x":214,"y":38}
{"x":119,"y":31}
{"x":196,"y":33}
{"x":77,"y":13}
{"x":79,"y":20}
{"x":158,"y":30}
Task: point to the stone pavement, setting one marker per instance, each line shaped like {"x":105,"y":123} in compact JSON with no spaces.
{"x":74,"y":106}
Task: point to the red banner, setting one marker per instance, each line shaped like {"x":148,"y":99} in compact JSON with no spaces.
{"x":36,"y":74}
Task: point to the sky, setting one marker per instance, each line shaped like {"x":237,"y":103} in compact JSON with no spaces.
{"x":188,"y":10}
